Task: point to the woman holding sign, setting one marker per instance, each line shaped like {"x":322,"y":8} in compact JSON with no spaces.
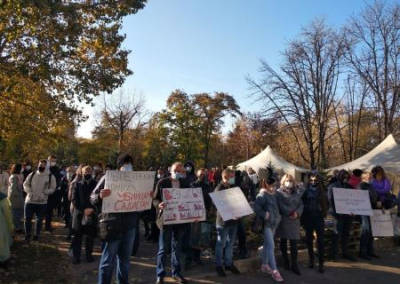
{"x":291,"y":208}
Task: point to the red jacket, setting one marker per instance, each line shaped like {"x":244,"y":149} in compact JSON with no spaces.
{"x":354,"y":181}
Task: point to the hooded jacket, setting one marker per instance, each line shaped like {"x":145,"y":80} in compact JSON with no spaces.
{"x":39,"y":186}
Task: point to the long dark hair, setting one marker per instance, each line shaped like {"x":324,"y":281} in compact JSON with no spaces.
{"x":15,"y":169}
{"x":378,"y":170}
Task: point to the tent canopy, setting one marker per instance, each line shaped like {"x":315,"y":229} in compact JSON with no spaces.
{"x":268,"y":156}
{"x":386,"y":154}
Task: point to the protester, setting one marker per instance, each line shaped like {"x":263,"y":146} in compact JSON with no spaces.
{"x":366,"y":239}
{"x":226,"y":232}
{"x":84,"y":220}
{"x":4,"y":178}
{"x":315,"y":202}
{"x":117,"y":231}
{"x":290,"y":208}
{"x":342,"y":222}
{"x":66,"y":204}
{"x":15,"y":196}
{"x":6,"y":239}
{"x":190,"y":172}
{"x":200,"y":183}
{"x":211,"y":180}
{"x":382,"y":185}
{"x":169,"y":234}
{"x":54,"y":199}
{"x":27,"y":166}
{"x":38,"y":186}
{"x":355,"y":178}
{"x":334,"y":177}
{"x":266,"y":208}
{"x":242,"y":181}
{"x":98,"y":172}
{"x":253,"y":176}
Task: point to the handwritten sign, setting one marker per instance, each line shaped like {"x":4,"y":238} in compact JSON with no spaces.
{"x":183,"y":205}
{"x":231,"y":203}
{"x":130,"y":191}
{"x":382,"y":224}
{"x":352,"y":201}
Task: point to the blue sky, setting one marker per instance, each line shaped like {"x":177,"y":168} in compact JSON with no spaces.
{"x":211,"y":45}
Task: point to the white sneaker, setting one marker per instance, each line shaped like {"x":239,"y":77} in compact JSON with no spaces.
{"x":276,"y":276}
{"x":266,"y":269}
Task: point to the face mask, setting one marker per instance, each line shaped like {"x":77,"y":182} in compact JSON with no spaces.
{"x":53,"y":164}
{"x":41,"y":169}
{"x":127,"y":168}
{"x":288,"y":184}
{"x":28,"y":168}
{"x":96,"y":168}
{"x":175,"y":176}
{"x":87,"y":177}
{"x":231,"y":181}
{"x":188,"y":169}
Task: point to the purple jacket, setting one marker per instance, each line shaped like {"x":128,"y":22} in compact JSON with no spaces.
{"x":382,"y":187}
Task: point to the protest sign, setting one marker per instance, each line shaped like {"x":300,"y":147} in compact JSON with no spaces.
{"x":130,"y":191}
{"x":183,"y":205}
{"x":352,"y":201}
{"x":231,"y":203}
{"x":381,"y":224}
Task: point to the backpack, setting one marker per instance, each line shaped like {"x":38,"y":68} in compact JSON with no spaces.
{"x":33,"y":173}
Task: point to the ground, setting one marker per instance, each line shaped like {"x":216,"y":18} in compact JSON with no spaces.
{"x":47,"y":261}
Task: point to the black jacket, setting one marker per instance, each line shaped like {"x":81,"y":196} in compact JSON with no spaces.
{"x":129,"y":219}
{"x":81,"y":200}
{"x":158,"y":198}
{"x":205,"y":189}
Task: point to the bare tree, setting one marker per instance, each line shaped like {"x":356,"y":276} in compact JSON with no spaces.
{"x":303,"y":92}
{"x":373,"y":53}
{"x":121,"y":114}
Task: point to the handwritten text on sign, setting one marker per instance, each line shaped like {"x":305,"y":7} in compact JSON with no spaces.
{"x":381,"y":224}
{"x":352,"y":201}
{"x":130,"y":191}
{"x":183,"y":205}
{"x":231,"y":203}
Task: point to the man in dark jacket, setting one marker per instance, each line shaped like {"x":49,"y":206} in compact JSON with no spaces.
{"x":119,"y":245}
{"x":342,"y":222}
{"x":169,"y":234}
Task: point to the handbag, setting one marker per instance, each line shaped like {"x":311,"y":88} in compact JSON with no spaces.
{"x":87,"y":220}
{"x":390,"y":201}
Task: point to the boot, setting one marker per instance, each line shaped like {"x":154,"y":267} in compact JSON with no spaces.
{"x":285,"y":258}
{"x":321,"y":265}
{"x":310,"y":259}
{"x":293,"y":254}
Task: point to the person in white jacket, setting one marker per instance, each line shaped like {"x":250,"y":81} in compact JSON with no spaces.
{"x":38,"y":186}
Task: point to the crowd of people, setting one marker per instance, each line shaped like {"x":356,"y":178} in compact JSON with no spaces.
{"x":281,"y":205}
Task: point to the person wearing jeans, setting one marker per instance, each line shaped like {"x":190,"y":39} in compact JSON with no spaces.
{"x":38,"y":186}
{"x":117,"y":244}
{"x":226,"y":232}
{"x":169,"y":234}
{"x":266,"y":208}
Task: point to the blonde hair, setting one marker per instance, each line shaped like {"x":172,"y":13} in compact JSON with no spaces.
{"x":366,"y":174}
{"x":287,"y":177}
{"x":87,"y":169}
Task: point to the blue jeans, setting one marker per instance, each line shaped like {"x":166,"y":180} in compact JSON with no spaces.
{"x":366,"y":239}
{"x":119,"y":250}
{"x":17,"y":214}
{"x":269,"y":248}
{"x":170,"y":235}
{"x":226,"y":237}
{"x":39,"y":210}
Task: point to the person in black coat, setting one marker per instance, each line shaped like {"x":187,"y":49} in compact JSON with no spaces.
{"x":82,"y":206}
{"x":54,"y":199}
{"x":169,"y":234}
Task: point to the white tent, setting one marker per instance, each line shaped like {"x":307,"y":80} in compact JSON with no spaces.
{"x":260,"y":163}
{"x":386,"y":154}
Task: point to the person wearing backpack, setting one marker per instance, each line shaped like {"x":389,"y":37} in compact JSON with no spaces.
{"x":84,"y":220}
{"x":38,"y":186}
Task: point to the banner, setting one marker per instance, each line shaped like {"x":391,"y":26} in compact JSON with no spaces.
{"x":130,"y":191}
{"x":183,"y":205}
{"x":231,"y":203}
{"x":352,"y":201}
{"x":381,"y":224}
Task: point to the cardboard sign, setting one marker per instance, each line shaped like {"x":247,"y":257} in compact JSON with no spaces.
{"x":381,"y":224}
{"x":231,"y":203}
{"x":130,"y":191}
{"x":183,"y":205}
{"x":352,"y":201}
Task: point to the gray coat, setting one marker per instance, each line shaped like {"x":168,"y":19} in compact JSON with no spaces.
{"x":15,"y":193}
{"x":264,"y":203}
{"x":288,"y":203}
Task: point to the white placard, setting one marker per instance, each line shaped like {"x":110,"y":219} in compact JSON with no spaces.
{"x":352,"y":201}
{"x":381,"y":224}
{"x":130,"y":191}
{"x":231,"y":203}
{"x":183,"y":205}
